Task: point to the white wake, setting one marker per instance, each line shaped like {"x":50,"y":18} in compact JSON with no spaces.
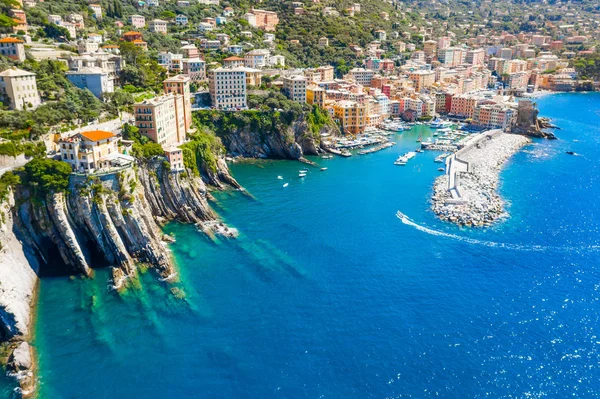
{"x":516,"y":247}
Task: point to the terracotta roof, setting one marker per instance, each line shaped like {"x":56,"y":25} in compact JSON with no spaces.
{"x":233,"y":59}
{"x":131,"y":33}
{"x":97,"y":135}
{"x":110,"y":46}
{"x":11,"y":40}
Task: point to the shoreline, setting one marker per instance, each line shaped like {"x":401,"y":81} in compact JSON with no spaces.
{"x":474,"y":200}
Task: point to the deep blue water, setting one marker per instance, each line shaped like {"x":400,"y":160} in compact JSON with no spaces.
{"x":326,"y":294}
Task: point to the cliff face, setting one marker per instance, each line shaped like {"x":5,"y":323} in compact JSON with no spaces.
{"x":103,"y":220}
{"x":283,"y":141}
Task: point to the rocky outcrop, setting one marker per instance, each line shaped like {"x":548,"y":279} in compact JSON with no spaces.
{"x":21,"y":366}
{"x":528,"y":123}
{"x":284,"y":142}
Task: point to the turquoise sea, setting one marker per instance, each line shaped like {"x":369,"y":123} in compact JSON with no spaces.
{"x":326,"y":294}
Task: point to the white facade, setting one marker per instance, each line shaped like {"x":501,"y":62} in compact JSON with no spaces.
{"x":227,"y":88}
{"x":20,"y":88}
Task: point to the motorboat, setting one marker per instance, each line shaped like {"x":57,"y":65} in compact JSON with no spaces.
{"x":286,"y":184}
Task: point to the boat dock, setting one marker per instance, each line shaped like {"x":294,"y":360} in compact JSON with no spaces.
{"x":377,"y":148}
{"x":341,"y":153}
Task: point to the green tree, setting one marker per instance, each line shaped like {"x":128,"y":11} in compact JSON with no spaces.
{"x":54,"y":31}
{"x":45,"y":176}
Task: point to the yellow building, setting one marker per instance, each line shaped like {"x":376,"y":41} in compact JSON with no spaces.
{"x":351,"y":116}
{"x":315,"y":95}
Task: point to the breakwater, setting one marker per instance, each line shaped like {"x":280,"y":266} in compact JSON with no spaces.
{"x":467,"y":193}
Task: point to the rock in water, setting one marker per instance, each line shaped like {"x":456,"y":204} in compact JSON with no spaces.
{"x":21,"y":359}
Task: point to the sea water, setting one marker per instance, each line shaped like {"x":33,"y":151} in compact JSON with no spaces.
{"x":327,"y":294}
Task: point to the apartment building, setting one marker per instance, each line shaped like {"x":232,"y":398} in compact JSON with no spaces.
{"x":179,"y":85}
{"x":265,"y":20}
{"x":156,"y":119}
{"x":422,"y":79}
{"x":351,"y":116}
{"x":361,"y":76}
{"x":19,"y":87}
{"x":327,"y":73}
{"x":257,"y":58}
{"x":493,"y":116}
{"x":194,"y":68}
{"x":96,"y":11}
{"x":227,"y":87}
{"x":464,"y":105}
{"x":475,"y":57}
{"x":294,"y":87}
{"x":315,"y":95}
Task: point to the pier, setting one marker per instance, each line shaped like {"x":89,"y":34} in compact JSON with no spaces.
{"x":377,"y":148}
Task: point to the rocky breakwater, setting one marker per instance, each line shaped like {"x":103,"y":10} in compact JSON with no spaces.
{"x":70,"y":224}
{"x":475,"y":201}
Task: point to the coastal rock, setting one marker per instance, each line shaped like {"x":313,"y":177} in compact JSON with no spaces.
{"x":528,"y":123}
{"x":21,"y":358}
{"x":18,"y":279}
{"x":21,"y":366}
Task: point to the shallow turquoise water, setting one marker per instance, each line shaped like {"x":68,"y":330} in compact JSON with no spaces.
{"x":327,"y":294}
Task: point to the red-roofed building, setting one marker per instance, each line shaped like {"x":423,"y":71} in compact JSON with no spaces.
{"x":88,"y":152}
{"x":12,"y":48}
{"x":233,"y":62}
{"x":132,"y":36}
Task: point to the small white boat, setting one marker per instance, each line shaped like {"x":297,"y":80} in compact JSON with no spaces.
{"x":302,"y":175}
{"x":280,"y":177}
{"x":286,"y":184}
{"x":323,"y":169}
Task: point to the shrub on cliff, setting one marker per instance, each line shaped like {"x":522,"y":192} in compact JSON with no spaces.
{"x":8,"y":181}
{"x":202,"y":152}
{"x":45,"y":176}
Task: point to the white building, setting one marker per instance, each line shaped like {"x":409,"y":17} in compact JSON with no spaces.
{"x":227,"y":87}
{"x":257,"y":58}
{"x":158,"y":26}
{"x":294,"y":87}
{"x":20,"y":88}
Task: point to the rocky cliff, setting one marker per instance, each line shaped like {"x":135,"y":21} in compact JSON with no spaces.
{"x":273,"y":127}
{"x":282,"y":141}
{"x":105,"y":220}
